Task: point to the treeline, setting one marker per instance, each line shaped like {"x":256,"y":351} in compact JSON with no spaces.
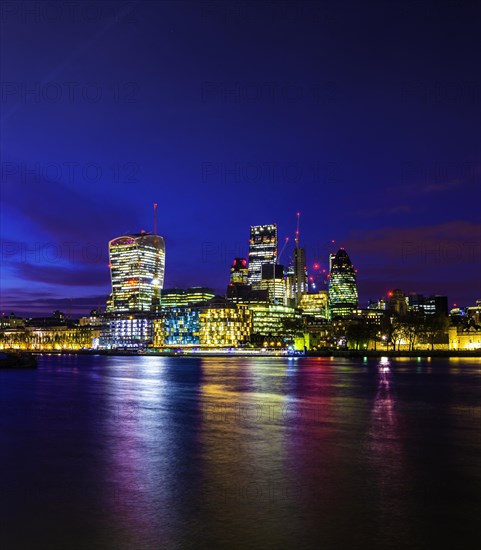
{"x":411,"y":329}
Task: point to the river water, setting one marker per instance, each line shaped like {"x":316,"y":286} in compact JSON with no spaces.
{"x":178,"y":452}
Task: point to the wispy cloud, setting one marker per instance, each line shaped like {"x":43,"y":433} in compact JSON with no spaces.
{"x":388,"y":211}
{"x":430,"y":188}
{"x":25,"y":304}
{"x":455,"y":238}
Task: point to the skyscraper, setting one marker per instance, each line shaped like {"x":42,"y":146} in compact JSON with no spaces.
{"x":332,"y":255}
{"x":342,"y":286}
{"x":300,"y":274}
{"x":137,"y":263}
{"x":239,"y":272}
{"x":273,"y":281}
{"x":262,"y":250}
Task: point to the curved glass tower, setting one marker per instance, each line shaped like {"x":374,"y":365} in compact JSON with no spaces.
{"x":342,"y":286}
{"x":137,"y":264}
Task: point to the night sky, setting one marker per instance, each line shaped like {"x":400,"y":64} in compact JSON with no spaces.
{"x":363,"y":116}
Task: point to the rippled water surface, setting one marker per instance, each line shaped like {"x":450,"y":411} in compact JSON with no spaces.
{"x":158,"y":452}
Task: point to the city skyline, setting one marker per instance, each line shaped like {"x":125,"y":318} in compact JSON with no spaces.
{"x":240,"y":274}
{"x":155,"y":271}
{"x":382,"y":157}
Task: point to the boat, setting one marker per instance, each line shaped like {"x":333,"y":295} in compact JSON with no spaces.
{"x":17,"y":360}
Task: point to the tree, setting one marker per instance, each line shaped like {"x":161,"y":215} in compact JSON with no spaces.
{"x":358,"y":333}
{"x":434,"y":328}
{"x":407,"y":327}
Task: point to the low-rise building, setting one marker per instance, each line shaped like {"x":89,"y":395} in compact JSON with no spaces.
{"x":465,"y":338}
{"x":217,"y":323}
{"x":61,"y":337}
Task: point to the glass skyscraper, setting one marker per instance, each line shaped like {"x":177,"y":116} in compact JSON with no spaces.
{"x":300,"y":274}
{"x":262,"y":250}
{"x":137,"y":263}
{"x":273,"y":281}
{"x":342,"y":286}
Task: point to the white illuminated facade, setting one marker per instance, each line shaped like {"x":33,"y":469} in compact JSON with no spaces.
{"x":126,"y":333}
{"x":262,"y":250}
{"x":137,"y":264}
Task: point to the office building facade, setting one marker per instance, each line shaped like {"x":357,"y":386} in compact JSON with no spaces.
{"x":239,"y":272}
{"x":262,"y":250}
{"x":343,"y":295}
{"x":137,"y":265}
{"x":273,"y":281}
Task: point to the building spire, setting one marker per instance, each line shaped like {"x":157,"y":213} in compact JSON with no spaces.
{"x":297,"y":230}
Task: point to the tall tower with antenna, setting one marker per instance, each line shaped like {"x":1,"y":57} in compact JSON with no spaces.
{"x":156,"y":280}
{"x":300,"y":281}
{"x":137,"y":262}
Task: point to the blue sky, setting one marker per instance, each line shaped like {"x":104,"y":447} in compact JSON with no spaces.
{"x":363,"y":117}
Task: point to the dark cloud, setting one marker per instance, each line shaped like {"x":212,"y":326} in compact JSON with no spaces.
{"x":437,"y":259}
{"x":61,"y":276}
{"x":63,"y":210}
{"x":78,"y":254}
{"x":25,"y":305}
{"x":447,"y":243}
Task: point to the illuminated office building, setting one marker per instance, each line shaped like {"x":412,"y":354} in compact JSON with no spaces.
{"x":211,"y":325}
{"x":178,"y":326}
{"x":176,"y":297}
{"x":300,"y":275}
{"x":273,"y":281}
{"x":342,"y":286}
{"x":127,"y":332}
{"x":239,"y":272}
{"x":262,"y":250}
{"x":137,"y":264}
{"x":290,"y":286}
{"x":225,"y":325}
{"x":273,"y":324}
{"x":430,"y":306}
{"x":315,"y":305}
{"x":244,"y":294}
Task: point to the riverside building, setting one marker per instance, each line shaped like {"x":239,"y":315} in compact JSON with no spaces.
{"x":137,"y":265}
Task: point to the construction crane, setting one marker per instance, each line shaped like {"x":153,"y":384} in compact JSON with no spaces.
{"x":156,"y":300}
{"x":282,"y":250}
{"x":297,"y":230}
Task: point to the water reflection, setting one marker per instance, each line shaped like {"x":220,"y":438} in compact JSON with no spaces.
{"x":386,"y":453}
{"x":145,"y":459}
{"x":152,"y":452}
{"x":243,"y":446}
